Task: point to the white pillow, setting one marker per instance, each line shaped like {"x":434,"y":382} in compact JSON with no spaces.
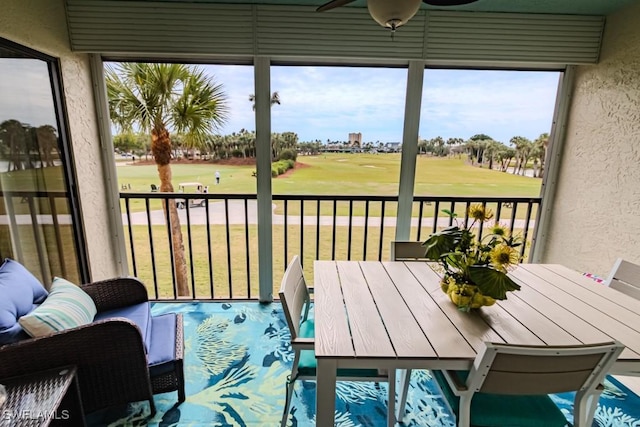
{"x":67,"y":306}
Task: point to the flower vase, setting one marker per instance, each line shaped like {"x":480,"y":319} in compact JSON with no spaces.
{"x":465,"y":296}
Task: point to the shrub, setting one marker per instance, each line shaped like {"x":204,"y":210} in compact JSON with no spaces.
{"x":288,"y":155}
{"x":281,"y":166}
{"x":236,"y":153}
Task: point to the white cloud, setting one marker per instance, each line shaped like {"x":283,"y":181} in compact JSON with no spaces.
{"x":501,"y":104}
{"x":237,"y":81}
{"x":329,"y":102}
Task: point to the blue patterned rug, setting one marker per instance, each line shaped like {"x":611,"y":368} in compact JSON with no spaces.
{"x":237,"y":359}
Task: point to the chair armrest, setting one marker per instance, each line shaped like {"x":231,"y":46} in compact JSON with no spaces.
{"x":116,"y":293}
{"x":109,"y":354}
{"x":303,"y":343}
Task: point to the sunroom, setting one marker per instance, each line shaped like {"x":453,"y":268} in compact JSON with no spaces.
{"x":73,"y":218}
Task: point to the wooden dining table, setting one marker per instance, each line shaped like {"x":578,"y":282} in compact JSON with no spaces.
{"x":393,"y":315}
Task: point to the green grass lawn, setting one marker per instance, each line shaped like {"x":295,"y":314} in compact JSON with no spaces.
{"x":362,"y":174}
{"x":342,"y":174}
{"x":378,"y":174}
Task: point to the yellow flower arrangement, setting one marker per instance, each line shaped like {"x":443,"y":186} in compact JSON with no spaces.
{"x":475,"y":270}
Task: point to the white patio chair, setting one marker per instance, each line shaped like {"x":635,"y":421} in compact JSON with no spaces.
{"x":625,"y":277}
{"x":509,"y":385}
{"x":402,"y":250}
{"x":294,"y":296}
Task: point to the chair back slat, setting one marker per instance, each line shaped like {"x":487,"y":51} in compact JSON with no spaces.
{"x":544,"y":363}
{"x":407,"y":251}
{"x":625,"y":277}
{"x":534,"y":383}
{"x":625,"y":288}
{"x":532,"y":370}
{"x":294,"y":295}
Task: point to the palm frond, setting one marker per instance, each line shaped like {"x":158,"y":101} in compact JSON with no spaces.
{"x":200,"y":109}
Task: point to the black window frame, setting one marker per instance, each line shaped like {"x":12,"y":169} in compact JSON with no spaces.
{"x":64,"y":148}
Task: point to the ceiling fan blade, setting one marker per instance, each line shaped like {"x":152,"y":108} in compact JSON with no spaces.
{"x":333,"y":4}
{"x":448,"y":2}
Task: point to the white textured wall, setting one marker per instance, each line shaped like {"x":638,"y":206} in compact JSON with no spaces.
{"x":596,"y":215}
{"x":41,"y":25}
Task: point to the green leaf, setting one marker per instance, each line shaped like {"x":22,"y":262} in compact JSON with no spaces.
{"x":449,"y":213}
{"x":441,"y":243}
{"x":491,"y":282}
{"x":456,"y":260}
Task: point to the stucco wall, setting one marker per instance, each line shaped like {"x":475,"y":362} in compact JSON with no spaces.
{"x":596,"y":212}
{"x":41,"y":25}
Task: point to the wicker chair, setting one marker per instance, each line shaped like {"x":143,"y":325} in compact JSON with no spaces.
{"x":109,"y":353}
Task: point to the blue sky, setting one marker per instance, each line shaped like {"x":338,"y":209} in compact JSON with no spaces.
{"x":330,"y":102}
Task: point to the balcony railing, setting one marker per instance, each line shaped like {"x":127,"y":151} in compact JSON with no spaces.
{"x":220,"y":234}
{"x":36,"y":230}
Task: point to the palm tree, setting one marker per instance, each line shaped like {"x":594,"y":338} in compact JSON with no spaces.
{"x":47,"y":141}
{"x":275,"y":99}
{"x":157,"y":98}
{"x":13,"y":135}
{"x":492,"y":149}
{"x":476,"y":146}
{"x":540,"y":151}
{"x":505,"y":154}
{"x":523,"y":153}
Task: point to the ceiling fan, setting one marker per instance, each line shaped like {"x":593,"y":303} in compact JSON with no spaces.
{"x":393,"y":13}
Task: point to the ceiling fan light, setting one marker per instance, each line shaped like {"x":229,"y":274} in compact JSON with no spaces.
{"x":393,"y":13}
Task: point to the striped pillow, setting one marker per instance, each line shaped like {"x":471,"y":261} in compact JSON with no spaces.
{"x":67,"y":306}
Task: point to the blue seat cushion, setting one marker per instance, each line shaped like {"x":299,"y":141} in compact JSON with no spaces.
{"x":140,"y":314}
{"x":20,"y":293}
{"x":308,"y":364}
{"x":488,"y":410}
{"x":162,"y":354}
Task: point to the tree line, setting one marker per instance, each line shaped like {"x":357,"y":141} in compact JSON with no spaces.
{"x":482,"y":150}
{"x":26,"y":146}
{"x":215,"y":147}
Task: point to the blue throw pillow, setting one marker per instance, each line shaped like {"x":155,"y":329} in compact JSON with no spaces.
{"x":20,"y":293}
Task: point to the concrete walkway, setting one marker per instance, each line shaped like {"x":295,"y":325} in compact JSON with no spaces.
{"x":237,"y":217}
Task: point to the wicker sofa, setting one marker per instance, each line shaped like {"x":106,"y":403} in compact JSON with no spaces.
{"x":124,"y":355}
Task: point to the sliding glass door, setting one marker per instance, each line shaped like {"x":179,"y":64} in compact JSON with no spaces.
{"x":39,"y":215}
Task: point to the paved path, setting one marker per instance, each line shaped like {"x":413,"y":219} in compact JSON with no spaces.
{"x":237,"y":217}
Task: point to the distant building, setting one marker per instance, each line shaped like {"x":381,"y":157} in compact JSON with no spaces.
{"x":355,"y":139}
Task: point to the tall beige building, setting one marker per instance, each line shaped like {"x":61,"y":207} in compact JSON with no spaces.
{"x":355,"y":139}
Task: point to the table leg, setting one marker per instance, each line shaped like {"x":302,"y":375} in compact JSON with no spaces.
{"x":405,"y":378}
{"x":326,"y":393}
{"x":70,"y":412}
